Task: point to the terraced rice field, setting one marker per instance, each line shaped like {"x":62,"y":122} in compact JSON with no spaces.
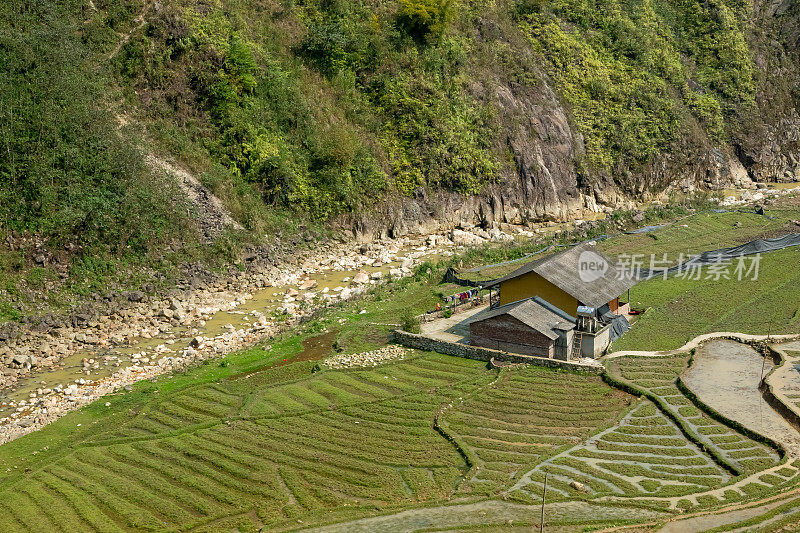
{"x":658,"y":375}
{"x":285,"y":447}
{"x":247,"y":453}
{"x":271,"y":448}
{"x":648,"y":455}
{"x":527,"y":416}
{"x":645,"y":455}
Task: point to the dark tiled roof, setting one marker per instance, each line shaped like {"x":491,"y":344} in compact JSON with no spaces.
{"x":534,"y":313}
{"x":562,"y":270}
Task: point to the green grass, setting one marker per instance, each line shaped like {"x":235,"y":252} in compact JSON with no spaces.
{"x":646,"y":446}
{"x":658,"y":375}
{"x":658,"y":450}
{"x":680,"y":309}
{"x":282,"y":447}
{"x":277,"y":445}
{"x":248,"y":443}
{"x":703,"y":231}
{"x":527,"y":417}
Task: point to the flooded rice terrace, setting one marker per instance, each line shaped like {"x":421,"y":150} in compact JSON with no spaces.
{"x":725,"y":375}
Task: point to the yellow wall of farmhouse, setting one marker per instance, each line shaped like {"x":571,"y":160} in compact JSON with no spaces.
{"x":532,"y":284}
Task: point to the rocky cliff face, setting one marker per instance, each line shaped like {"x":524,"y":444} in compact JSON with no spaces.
{"x":545,"y":178}
{"x":769,"y":147}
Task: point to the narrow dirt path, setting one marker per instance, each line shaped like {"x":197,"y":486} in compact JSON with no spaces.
{"x":700,"y":339}
{"x":704,"y":520}
{"x":211,"y":213}
{"x":125,"y":37}
{"x":487,"y":513}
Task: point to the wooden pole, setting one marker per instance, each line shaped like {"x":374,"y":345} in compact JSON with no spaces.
{"x":544,"y":497}
{"x":764,"y":360}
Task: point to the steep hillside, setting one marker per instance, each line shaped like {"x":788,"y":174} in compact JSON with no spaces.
{"x":384,"y":117}
{"x":529,"y":109}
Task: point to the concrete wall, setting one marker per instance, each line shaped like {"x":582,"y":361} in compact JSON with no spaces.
{"x":420,"y":342}
{"x":508,"y":334}
{"x":532,"y":284}
{"x":563,"y":346}
{"x":593,"y":345}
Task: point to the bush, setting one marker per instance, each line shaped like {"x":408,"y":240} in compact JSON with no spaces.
{"x":409,"y":321}
{"x":424,"y":18}
{"x":67,"y":170}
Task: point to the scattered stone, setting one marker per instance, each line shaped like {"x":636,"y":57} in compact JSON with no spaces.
{"x":308,"y":284}
{"x":361,"y":278}
{"x":464,"y":238}
{"x":580,"y":487}
{"x":373,"y":358}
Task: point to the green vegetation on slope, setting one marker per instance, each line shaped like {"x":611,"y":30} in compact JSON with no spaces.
{"x":634,"y":71}
{"x":271,"y":447}
{"x":67,"y":171}
{"x":323,"y":106}
{"x":527,"y":417}
{"x":247,"y":449}
{"x":299,"y":111}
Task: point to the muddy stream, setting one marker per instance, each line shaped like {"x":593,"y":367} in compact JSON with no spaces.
{"x":91,"y":365}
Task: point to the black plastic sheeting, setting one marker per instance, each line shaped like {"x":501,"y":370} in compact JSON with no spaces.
{"x":643,"y":229}
{"x":451,"y":276}
{"x":510,"y":261}
{"x":619,"y":324}
{"x":726,"y":254}
{"x":646,"y":229}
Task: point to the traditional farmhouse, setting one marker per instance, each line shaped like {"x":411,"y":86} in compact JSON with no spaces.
{"x":563,"y":306}
{"x":529,"y":327}
{"x":578,"y":276}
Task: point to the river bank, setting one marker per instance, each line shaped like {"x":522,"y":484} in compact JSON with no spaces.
{"x":49,"y":370}
{"x":52,"y":371}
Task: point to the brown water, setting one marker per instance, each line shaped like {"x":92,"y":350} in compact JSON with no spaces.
{"x":737,"y":193}
{"x":725,"y":375}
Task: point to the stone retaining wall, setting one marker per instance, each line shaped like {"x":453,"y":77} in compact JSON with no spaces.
{"x":421,"y":342}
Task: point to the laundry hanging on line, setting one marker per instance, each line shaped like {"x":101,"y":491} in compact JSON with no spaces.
{"x":461,"y":296}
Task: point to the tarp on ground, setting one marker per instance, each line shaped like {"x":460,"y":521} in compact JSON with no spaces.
{"x":451,"y":276}
{"x":646,"y":229}
{"x":727,"y":254}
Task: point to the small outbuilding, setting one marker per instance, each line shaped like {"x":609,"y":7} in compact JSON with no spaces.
{"x":529,"y":327}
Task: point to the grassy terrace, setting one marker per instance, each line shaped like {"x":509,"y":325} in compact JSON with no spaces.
{"x":251,"y":442}
{"x":281,"y":444}
{"x":529,"y":416}
{"x":669,"y":454}
{"x":254,"y":449}
{"x":658,"y":375}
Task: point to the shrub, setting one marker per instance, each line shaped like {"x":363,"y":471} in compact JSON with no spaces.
{"x":423,"y":18}
{"x":409,"y":321}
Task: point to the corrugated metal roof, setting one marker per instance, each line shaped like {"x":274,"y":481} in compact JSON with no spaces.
{"x":570,"y":271}
{"x":534,"y":313}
